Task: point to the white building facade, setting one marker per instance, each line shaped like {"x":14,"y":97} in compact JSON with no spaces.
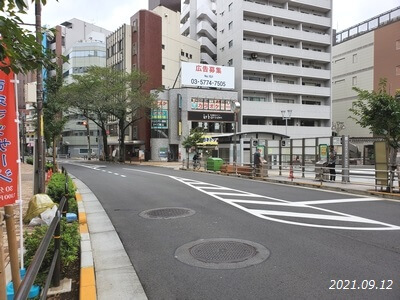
{"x":281,"y":51}
{"x":199,"y":22}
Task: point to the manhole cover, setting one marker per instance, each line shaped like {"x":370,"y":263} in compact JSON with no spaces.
{"x":222,"y":253}
{"x":167,"y":213}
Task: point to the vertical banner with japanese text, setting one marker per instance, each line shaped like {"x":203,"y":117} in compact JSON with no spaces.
{"x":8,"y":140}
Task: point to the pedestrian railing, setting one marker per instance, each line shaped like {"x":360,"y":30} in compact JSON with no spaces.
{"x":54,"y":231}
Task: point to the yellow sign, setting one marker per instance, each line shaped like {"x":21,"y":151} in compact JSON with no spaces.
{"x":208,"y":141}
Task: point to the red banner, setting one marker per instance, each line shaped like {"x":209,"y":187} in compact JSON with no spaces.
{"x":8,"y":141}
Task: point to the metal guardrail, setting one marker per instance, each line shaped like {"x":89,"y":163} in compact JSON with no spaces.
{"x":54,"y":231}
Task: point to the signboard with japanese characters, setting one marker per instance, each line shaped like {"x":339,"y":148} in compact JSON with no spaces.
{"x":201,"y":75}
{"x":210,"y":116}
{"x":159,"y":115}
{"x":210,"y":104}
{"x":8,"y":141}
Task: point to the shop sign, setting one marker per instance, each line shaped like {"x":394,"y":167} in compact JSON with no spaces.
{"x":210,"y":116}
{"x":8,"y":141}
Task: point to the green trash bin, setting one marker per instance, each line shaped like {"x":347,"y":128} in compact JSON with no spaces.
{"x":214,"y":163}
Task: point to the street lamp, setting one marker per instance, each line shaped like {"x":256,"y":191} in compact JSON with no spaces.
{"x":236,"y":110}
{"x":286,"y":115}
{"x":338,"y":126}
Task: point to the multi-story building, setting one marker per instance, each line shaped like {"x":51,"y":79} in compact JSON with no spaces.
{"x":84,"y":46}
{"x":361,"y":56}
{"x":199,"y":22}
{"x":281,"y":51}
{"x":153,"y":45}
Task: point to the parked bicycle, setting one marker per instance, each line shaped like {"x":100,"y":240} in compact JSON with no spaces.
{"x":196,"y":164}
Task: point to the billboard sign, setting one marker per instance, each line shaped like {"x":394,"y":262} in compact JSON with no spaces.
{"x":201,"y":75}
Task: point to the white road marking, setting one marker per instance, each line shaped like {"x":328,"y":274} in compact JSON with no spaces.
{"x":264,"y":214}
{"x":338,"y":201}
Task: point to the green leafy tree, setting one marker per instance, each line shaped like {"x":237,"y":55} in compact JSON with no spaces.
{"x":195,"y":137}
{"x":53,"y":118}
{"x":380,"y":112}
{"x":19,"y":50}
{"x":103,"y":94}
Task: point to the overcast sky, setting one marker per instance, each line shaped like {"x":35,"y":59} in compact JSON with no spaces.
{"x":112,"y":14}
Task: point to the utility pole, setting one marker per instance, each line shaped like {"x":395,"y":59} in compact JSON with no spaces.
{"x":40,"y":188}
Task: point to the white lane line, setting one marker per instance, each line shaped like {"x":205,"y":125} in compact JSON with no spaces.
{"x":109,"y":172}
{"x":313,"y":216}
{"x":313,"y":202}
{"x":123,"y":176}
{"x":202,"y":189}
{"x":294,"y":204}
{"x":116,"y":174}
{"x":233,"y":194}
{"x":104,"y":170}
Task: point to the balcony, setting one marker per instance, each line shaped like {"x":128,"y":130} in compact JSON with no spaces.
{"x":295,"y":89}
{"x":280,"y":13}
{"x":272,"y":109}
{"x":207,"y":45}
{"x":206,"y":58}
{"x":285,"y":70}
{"x":204,"y":28}
{"x":185,"y":28}
{"x":288,"y":33}
{"x":253,"y":46}
{"x":205,"y":12}
{"x":292,"y":131}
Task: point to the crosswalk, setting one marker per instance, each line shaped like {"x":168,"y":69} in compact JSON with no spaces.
{"x":302,"y":213}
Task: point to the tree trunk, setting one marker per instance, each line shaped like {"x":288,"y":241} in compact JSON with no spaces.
{"x":54,"y":154}
{"x":121,"y":140}
{"x":392,"y":166}
{"x":187,"y":158}
{"x":105,"y":144}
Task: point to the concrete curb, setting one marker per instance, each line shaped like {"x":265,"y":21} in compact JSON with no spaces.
{"x":106,"y":270}
{"x":87,"y":288}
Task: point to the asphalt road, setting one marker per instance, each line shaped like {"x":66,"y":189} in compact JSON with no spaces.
{"x":318,"y":245}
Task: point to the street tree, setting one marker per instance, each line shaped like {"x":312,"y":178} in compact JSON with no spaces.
{"x":53,"y":118}
{"x":104,"y":94}
{"x":19,"y":50}
{"x":380,"y":112}
{"x":195,"y":137}
{"x":88,"y":95}
{"x":129,"y":102}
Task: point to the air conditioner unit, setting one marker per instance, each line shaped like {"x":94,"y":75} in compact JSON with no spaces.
{"x":285,"y":143}
{"x":254,"y":55}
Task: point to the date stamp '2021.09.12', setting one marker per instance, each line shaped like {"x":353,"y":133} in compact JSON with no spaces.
{"x":366,"y":284}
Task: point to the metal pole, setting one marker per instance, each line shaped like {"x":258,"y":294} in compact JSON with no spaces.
{"x":235,"y":146}
{"x":39,"y":101}
{"x":88,"y":138}
{"x":3,"y":291}
{"x":12,"y":245}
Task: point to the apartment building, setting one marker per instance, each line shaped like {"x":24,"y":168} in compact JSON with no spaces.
{"x":361,"y":56}
{"x":281,"y":51}
{"x":199,"y":22}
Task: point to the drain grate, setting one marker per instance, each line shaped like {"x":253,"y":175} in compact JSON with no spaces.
{"x":167,"y":213}
{"x":222,"y":252}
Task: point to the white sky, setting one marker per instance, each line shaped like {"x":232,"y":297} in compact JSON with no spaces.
{"x":112,"y":14}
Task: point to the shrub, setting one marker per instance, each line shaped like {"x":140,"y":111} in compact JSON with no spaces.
{"x":69,"y":248}
{"x":56,"y":187}
{"x":49,"y":165}
{"x":29,"y":160}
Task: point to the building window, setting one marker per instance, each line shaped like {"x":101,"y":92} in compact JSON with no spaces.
{"x":230,"y":62}
{"x":162,"y":46}
{"x":230,"y":43}
{"x":182,"y":53}
{"x":230,"y":25}
{"x":354,"y":58}
{"x":163,"y":67}
{"x":354,"y":80}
